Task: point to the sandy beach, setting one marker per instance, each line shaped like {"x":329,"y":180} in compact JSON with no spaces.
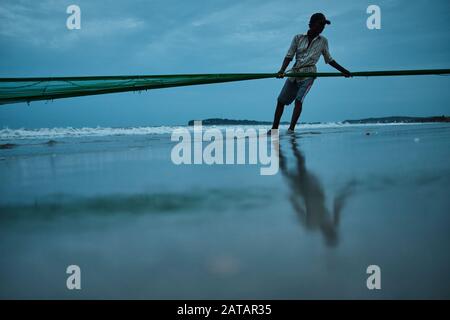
{"x":112,"y":202}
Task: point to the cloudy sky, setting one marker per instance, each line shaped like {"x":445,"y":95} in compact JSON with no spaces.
{"x":222,"y":36}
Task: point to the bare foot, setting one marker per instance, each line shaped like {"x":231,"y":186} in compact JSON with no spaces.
{"x":270,"y":131}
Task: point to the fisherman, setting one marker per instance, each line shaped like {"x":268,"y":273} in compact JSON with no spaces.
{"x":307,"y":49}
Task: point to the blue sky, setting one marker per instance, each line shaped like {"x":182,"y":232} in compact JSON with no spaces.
{"x":218,"y":36}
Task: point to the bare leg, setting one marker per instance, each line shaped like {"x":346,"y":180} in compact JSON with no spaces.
{"x":278,"y":113}
{"x":296,"y":114}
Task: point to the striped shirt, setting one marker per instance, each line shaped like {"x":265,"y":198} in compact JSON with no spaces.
{"x":306,"y":58}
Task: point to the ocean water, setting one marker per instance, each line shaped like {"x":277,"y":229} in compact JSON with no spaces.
{"x":111,"y":201}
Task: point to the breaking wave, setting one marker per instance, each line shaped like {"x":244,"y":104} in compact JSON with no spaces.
{"x":67,"y":132}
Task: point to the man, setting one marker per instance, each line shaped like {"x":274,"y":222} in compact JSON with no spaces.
{"x":307,"y":49}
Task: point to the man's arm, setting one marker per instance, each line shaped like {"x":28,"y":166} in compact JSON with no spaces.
{"x":340,"y":68}
{"x":289,"y":56}
{"x":286,"y":62}
{"x":328,"y":59}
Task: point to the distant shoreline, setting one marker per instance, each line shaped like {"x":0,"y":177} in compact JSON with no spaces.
{"x":392,"y":119}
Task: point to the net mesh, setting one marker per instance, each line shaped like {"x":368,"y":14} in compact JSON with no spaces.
{"x":14,"y":90}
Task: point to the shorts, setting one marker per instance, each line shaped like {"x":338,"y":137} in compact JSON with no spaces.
{"x":295,"y":90}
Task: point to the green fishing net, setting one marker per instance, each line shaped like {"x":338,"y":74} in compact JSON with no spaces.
{"x":14,"y":90}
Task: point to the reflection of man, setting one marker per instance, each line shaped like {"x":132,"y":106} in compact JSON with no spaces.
{"x":308,"y":197}
{"x":307,"y":49}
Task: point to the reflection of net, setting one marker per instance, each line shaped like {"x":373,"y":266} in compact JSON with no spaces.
{"x":31,"y":89}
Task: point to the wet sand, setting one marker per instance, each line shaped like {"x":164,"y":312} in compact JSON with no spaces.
{"x":345,"y":197}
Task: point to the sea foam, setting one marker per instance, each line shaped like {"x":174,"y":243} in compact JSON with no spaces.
{"x":67,"y":132}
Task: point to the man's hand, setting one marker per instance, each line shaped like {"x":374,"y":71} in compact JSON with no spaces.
{"x":340,"y":68}
{"x":286,"y":61}
{"x":347,"y":74}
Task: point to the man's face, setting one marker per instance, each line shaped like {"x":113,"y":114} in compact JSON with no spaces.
{"x":317,"y":27}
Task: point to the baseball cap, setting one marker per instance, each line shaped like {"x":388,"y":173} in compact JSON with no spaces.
{"x":319,"y":17}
